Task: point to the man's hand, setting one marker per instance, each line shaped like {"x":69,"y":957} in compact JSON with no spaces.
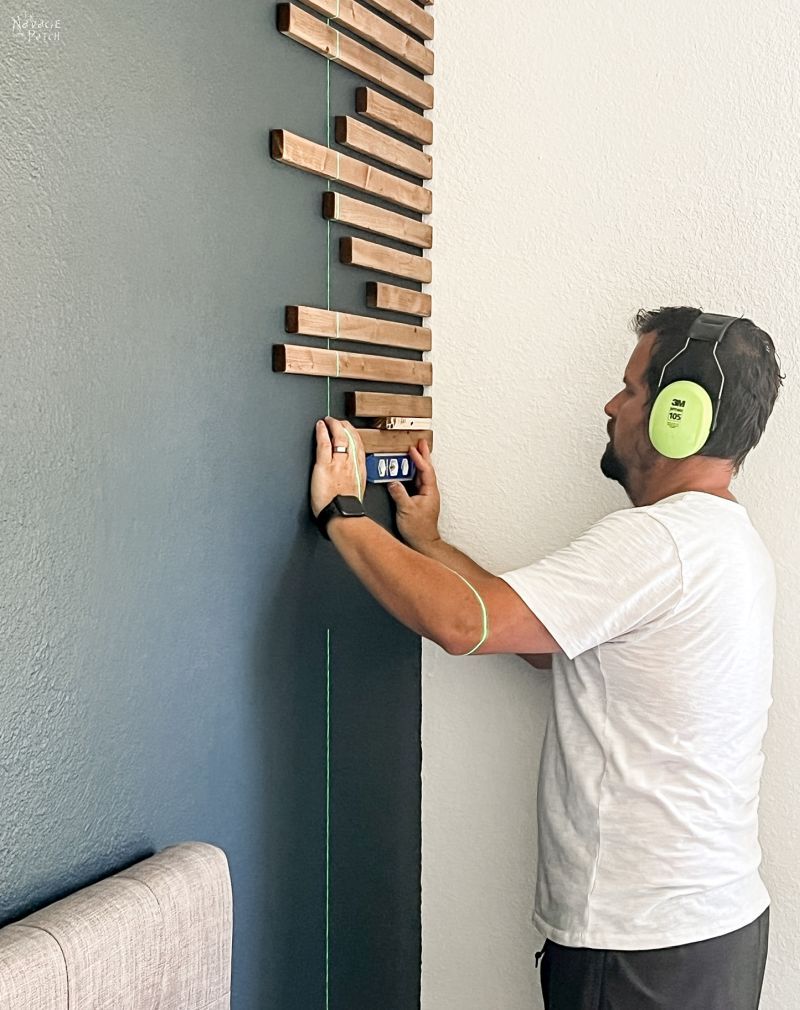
{"x":337,"y":472}
{"x":418,"y":517}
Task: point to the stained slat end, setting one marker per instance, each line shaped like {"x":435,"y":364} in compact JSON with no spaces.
{"x":283,"y":17}
{"x":276,"y":143}
{"x":279,"y":358}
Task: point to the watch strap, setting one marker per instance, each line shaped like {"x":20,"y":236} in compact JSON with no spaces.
{"x":329,"y":511}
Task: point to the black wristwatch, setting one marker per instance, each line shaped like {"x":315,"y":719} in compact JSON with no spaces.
{"x":346,"y":505}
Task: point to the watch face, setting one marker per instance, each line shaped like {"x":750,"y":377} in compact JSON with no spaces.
{"x":349,"y":505}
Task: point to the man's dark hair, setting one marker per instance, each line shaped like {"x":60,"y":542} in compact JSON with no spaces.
{"x":748,"y":359}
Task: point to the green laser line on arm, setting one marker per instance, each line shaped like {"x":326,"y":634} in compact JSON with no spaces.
{"x":354,"y":455}
{"x":484,"y":614}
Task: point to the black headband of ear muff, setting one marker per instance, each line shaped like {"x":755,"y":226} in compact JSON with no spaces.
{"x":711,"y":328}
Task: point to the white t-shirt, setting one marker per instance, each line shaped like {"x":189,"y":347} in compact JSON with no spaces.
{"x":649,"y":778}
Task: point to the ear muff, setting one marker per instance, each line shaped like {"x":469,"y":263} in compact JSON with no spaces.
{"x":680,"y":419}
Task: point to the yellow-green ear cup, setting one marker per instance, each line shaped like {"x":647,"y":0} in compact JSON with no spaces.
{"x":680,"y":420}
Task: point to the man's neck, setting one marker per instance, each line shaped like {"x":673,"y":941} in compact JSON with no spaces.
{"x":709,"y":477}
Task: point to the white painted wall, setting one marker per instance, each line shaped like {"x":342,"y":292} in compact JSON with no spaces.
{"x":591,"y":158}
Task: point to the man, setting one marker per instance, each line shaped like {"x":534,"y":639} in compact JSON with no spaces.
{"x":658,"y":624}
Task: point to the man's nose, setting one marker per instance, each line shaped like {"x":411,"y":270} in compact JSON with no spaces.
{"x":611,"y":407}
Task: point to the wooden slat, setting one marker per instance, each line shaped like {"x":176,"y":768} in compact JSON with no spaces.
{"x":358,"y":252}
{"x":397,"y":299}
{"x":402,"y":423}
{"x":360,"y":214}
{"x":314,"y":322}
{"x":397,"y":117}
{"x":392,"y":441}
{"x":378,"y":31}
{"x":361,"y":404}
{"x":345,"y":365}
{"x":407,"y":14}
{"x":366,"y":139}
{"x":309,"y":31}
{"x":290,"y":149}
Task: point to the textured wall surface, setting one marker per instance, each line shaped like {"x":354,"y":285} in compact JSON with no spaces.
{"x":592,"y":158}
{"x":165,"y":601}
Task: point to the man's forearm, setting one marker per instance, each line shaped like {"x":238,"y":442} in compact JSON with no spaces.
{"x":418,"y":590}
{"x":453,"y":558}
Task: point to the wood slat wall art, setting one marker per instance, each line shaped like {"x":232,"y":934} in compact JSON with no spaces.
{"x":315,"y":322}
{"x":315,"y":34}
{"x":376,"y":30}
{"x":397,"y":299}
{"x":363,"y":404}
{"x":397,"y":117}
{"x":291,"y":149}
{"x":352,"y":133}
{"x":392,"y":441}
{"x":345,"y":365}
{"x":369,"y":217}
{"x":358,"y":252}
{"x":408,"y":14}
{"x":288,"y":148}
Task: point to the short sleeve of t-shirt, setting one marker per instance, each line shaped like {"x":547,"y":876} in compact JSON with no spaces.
{"x":621,"y":573}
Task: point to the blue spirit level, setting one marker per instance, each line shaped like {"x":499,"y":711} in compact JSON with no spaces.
{"x":383,"y":467}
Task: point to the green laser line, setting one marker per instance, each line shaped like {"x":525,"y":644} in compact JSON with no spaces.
{"x":354,"y":457}
{"x":484,"y":615}
{"x":360,"y":495}
{"x":328,"y":630}
{"x":328,"y":223}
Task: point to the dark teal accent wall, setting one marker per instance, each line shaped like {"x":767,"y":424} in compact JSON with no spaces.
{"x":165,"y":601}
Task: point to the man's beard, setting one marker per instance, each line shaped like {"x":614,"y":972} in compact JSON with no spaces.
{"x":613,"y":467}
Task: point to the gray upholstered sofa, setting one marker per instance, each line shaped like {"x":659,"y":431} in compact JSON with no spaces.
{"x":156,"y":936}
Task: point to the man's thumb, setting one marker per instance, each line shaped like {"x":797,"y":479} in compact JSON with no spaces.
{"x":398,"y":492}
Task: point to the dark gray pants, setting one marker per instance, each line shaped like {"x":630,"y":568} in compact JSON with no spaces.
{"x":722,"y":973}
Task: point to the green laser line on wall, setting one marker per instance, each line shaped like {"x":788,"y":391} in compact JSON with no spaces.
{"x":391,"y":421}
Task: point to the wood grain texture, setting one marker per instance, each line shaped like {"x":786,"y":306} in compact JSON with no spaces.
{"x":397,"y":299}
{"x":408,"y":14}
{"x":358,"y":252}
{"x":397,"y":117}
{"x":367,"y":140}
{"x":376,"y":440}
{"x":364,"y":404}
{"x":345,"y":365}
{"x":315,"y":322}
{"x":377,"y":30}
{"x":369,"y":217}
{"x":309,"y":31}
{"x":291,"y":149}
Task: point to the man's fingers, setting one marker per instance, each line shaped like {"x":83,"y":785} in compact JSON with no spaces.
{"x":343,"y":433}
{"x":426,"y":475}
{"x":398,"y":492}
{"x":324,"y":451}
{"x":336,"y":429}
{"x":356,"y":436}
